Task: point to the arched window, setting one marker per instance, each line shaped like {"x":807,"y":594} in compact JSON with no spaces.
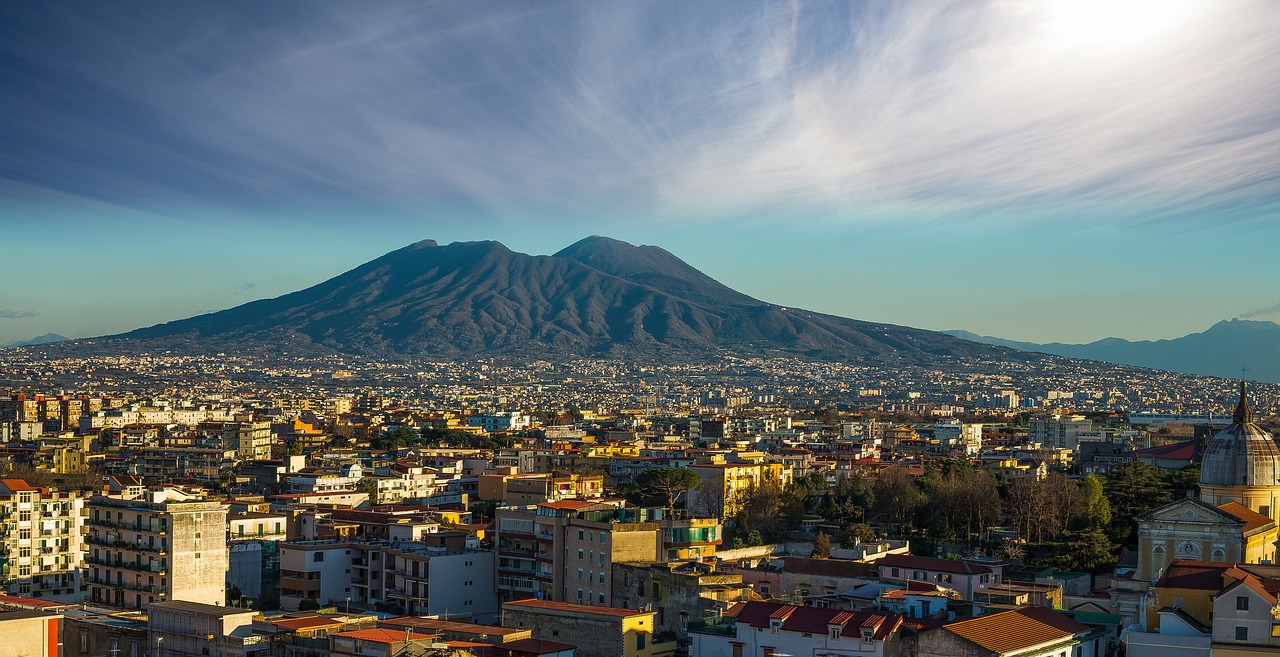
{"x":1157,"y":561}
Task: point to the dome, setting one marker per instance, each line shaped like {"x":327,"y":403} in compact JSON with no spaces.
{"x":1243,"y":454}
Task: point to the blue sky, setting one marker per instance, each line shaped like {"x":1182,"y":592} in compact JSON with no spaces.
{"x":1035,"y":170}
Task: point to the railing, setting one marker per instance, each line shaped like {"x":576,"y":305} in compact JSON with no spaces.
{"x":715,"y":626}
{"x":127,"y":565}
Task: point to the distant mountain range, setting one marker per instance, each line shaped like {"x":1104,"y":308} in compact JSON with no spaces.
{"x":597,"y":297}
{"x":47,"y":338}
{"x":1219,"y":351}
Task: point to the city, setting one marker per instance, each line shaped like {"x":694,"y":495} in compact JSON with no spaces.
{"x":925,"y":328}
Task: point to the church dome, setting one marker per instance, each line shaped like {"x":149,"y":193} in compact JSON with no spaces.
{"x":1243,"y":454}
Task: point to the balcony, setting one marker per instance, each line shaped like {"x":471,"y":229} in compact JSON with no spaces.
{"x":715,"y":626}
{"x":127,"y":565}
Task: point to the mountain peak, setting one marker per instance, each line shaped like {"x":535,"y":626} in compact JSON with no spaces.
{"x":652,"y":266}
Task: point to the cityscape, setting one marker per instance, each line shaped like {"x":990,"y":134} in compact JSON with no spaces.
{"x":271,"y":386}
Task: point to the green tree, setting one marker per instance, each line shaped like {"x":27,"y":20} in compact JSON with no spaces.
{"x":670,"y":483}
{"x":369,"y":486}
{"x":1133,"y":490}
{"x":821,"y":547}
{"x":308,"y":604}
{"x":1086,"y":550}
{"x":855,"y":533}
{"x":1096,"y":507}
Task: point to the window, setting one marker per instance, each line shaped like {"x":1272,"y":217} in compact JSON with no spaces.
{"x":894,"y":573}
{"x":640,"y":641}
{"x":601,"y":558}
{"x":1242,"y":633}
{"x":317,"y":557}
{"x":580,"y":534}
{"x":835,"y":632}
{"x":579,"y":574}
{"x":867,"y":634}
{"x":737,"y":649}
{"x":602,"y":597}
{"x":766,"y":651}
{"x":1242,"y":603}
{"x":775,"y":624}
{"x":84,"y":641}
{"x":581,"y":553}
{"x":602,"y":577}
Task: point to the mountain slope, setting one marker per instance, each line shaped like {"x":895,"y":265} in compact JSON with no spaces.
{"x":1219,"y":351}
{"x":597,"y":296}
{"x":47,"y":338}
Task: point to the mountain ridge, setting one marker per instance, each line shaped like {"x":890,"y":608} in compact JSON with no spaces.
{"x":597,"y":296}
{"x":1216,"y":351}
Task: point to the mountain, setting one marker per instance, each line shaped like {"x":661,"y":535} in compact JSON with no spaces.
{"x":1219,"y":351}
{"x":599,"y":296}
{"x":47,"y":338}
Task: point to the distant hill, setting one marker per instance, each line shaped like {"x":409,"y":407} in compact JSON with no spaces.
{"x":599,"y":296}
{"x":47,"y":338}
{"x":1218,"y":351}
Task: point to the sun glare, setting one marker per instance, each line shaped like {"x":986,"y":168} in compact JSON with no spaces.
{"x":1115,"y":24}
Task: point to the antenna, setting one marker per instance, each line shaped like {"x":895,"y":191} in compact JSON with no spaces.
{"x":1243,"y":369}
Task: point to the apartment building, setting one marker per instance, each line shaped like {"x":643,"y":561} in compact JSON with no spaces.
{"x":364,"y":573}
{"x":41,"y":541}
{"x":597,"y":631}
{"x":164,"y":545}
{"x":179,"y":628}
{"x":565,"y":550}
{"x":251,"y":440}
{"x":725,"y":484}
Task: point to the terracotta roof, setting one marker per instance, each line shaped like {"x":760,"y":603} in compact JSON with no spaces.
{"x":385,"y":636}
{"x":1182,"y":451}
{"x":1196,"y":575}
{"x":1254,"y":584}
{"x":568,"y":504}
{"x":1017,"y":629}
{"x":1252,"y":519}
{"x":449,"y":626}
{"x":306,"y":623}
{"x":930,"y":563}
{"x":816,"y":620}
{"x":535,"y":646}
{"x":571,"y":607}
{"x":31,"y":603}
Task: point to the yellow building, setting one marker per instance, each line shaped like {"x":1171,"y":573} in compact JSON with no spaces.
{"x":726,"y":485}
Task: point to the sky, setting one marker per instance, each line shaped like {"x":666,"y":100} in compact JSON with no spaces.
{"x":1057,"y":170}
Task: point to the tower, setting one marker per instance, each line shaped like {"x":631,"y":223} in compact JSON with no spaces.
{"x":1242,"y":464}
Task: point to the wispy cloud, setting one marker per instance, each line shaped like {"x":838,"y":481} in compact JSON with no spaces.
{"x":5,"y":313}
{"x":851,"y":111}
{"x":1270,"y":313}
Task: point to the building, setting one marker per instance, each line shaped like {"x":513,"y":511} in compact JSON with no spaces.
{"x":765,"y":629}
{"x":1242,"y":464}
{"x":965,"y":576}
{"x":678,"y":592}
{"x":183,"y":629}
{"x":253,"y":557}
{"x":250,"y":440}
{"x":41,"y":543}
{"x":725,"y":485}
{"x":98,"y":632}
{"x":1233,"y":521}
{"x":490,"y":422}
{"x":163,"y":546}
{"x":1058,"y":431}
{"x":1022,"y":631}
{"x":565,"y":550}
{"x":450,"y":582}
{"x":30,"y":633}
{"x":1206,"y":608}
{"x":597,"y":631}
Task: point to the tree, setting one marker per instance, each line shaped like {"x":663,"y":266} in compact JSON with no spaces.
{"x":761,"y":507}
{"x":855,"y":533}
{"x":709,"y":503}
{"x":897,"y":495}
{"x":821,"y":547}
{"x":1085,"y":550}
{"x":670,"y":483}
{"x":369,"y":485}
{"x":1133,"y":490}
{"x":308,"y":604}
{"x":1096,"y":507}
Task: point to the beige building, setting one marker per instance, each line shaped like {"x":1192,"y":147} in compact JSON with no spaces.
{"x":183,"y":629}
{"x":597,"y":631}
{"x":251,"y":440}
{"x":30,"y":634}
{"x":165,"y":545}
{"x":41,"y":546}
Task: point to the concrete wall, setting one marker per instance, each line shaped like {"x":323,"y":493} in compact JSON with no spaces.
{"x":198,"y":558}
{"x":463,"y":583}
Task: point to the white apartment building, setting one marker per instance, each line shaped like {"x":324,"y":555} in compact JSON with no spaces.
{"x":41,"y":546}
